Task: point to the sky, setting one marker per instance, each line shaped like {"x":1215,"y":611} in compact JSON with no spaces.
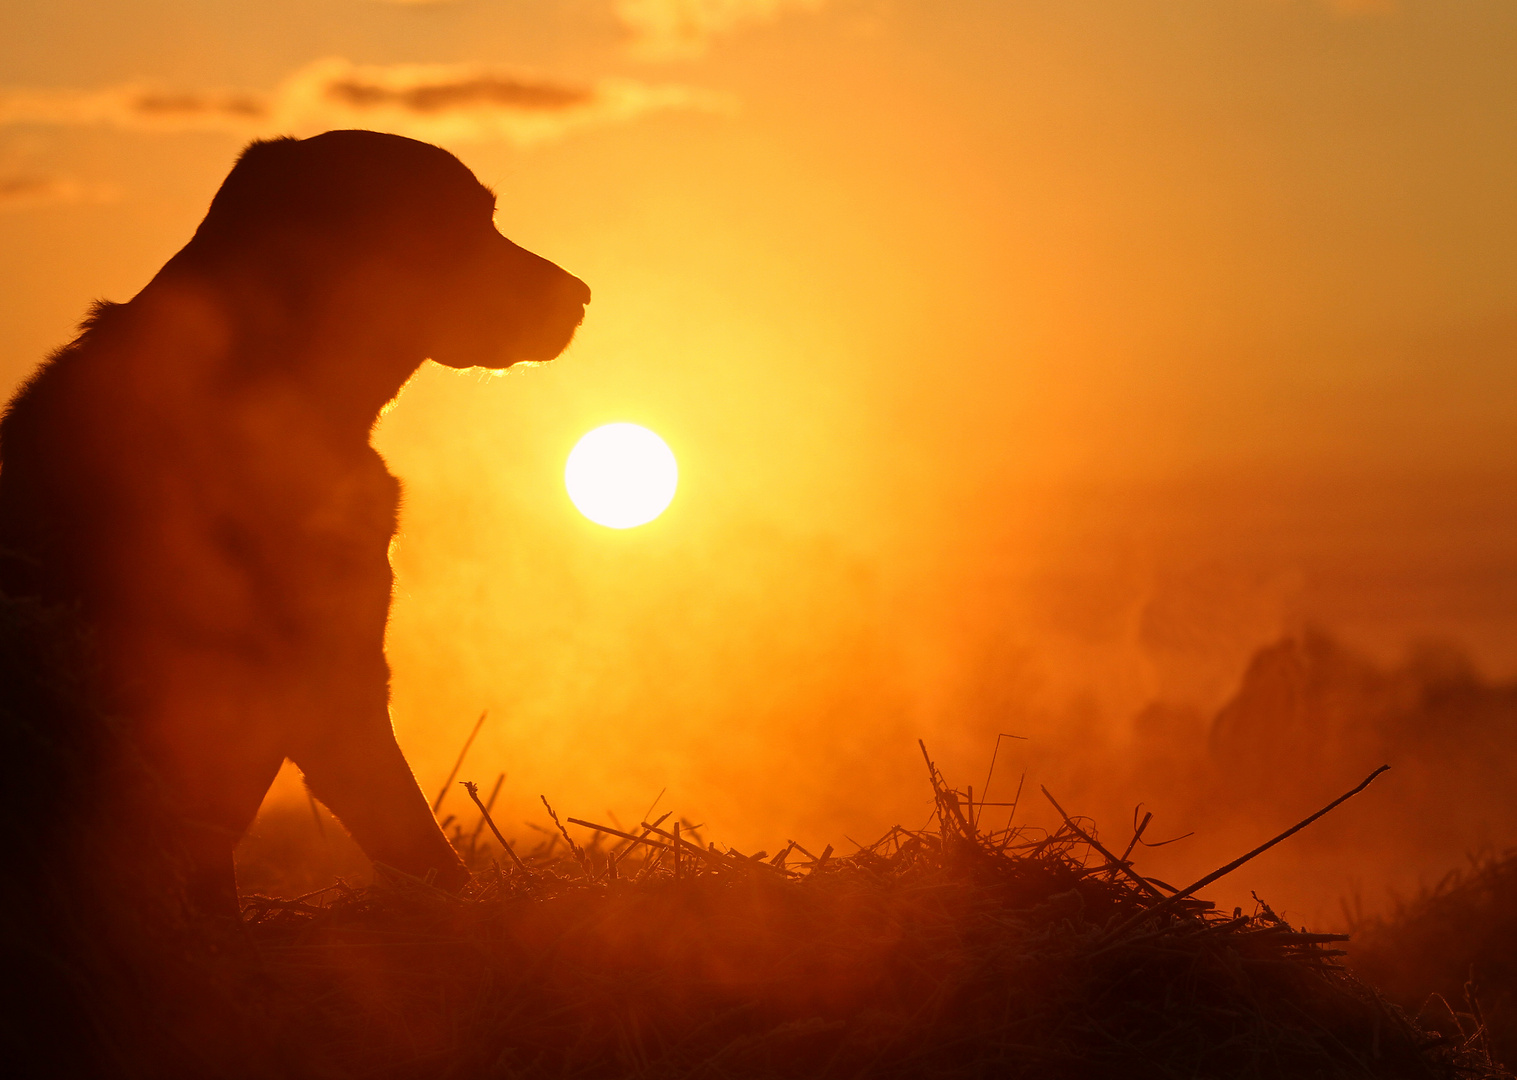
{"x":1029,"y":364}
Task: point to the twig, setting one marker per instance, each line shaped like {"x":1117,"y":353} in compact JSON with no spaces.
{"x":446,"y":784}
{"x":624,"y":835}
{"x":713,"y":857}
{"x":1015,"y":799}
{"x":613,"y":858}
{"x":948,"y":801}
{"x":579,"y":856}
{"x":473,"y":790}
{"x":489,"y":805}
{"x":657,"y":798}
{"x":985,"y":791}
{"x":1230,"y":867}
{"x":1112,"y":860}
{"x":650,"y":864}
{"x":1137,"y":833}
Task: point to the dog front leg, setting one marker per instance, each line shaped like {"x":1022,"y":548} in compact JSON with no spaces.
{"x":214,"y":763}
{"x":361,"y":775}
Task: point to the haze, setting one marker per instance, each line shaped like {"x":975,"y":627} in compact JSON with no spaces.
{"x":1030,"y":366}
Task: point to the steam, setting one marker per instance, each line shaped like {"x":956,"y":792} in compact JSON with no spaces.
{"x":1307,"y":715}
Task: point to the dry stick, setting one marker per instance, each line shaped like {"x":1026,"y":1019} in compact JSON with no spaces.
{"x":1230,"y":867}
{"x":649,"y":860}
{"x":1112,"y":860}
{"x":473,"y":790}
{"x":1137,"y":834}
{"x":716,"y":858}
{"x":579,"y":856}
{"x":985,"y":791}
{"x":489,"y":805}
{"x":650,"y":864}
{"x":937,"y":795}
{"x":1015,"y":799}
{"x":945,"y":804}
{"x":649,"y":812}
{"x":937,"y":789}
{"x":676,"y":850}
{"x":446,"y":784}
{"x":613,"y":859}
{"x":624,"y":835}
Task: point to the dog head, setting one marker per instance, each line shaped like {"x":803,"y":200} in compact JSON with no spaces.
{"x":380,"y":238}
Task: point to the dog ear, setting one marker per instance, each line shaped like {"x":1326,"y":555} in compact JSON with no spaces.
{"x":263,"y":147}
{"x":254,"y":192}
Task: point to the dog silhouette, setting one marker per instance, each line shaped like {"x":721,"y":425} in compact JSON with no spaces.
{"x":193,"y":477}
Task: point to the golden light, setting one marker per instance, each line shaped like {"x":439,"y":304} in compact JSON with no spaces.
{"x":621,"y":476}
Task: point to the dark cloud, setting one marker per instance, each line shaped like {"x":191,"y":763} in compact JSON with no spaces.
{"x":483,"y":91}
{"x":189,"y":104}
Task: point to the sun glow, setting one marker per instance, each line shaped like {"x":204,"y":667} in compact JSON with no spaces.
{"x":621,"y":476}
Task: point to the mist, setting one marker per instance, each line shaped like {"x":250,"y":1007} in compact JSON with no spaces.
{"x":1031,"y":369}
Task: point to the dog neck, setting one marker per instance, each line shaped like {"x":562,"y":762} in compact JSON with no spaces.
{"x":333,"y":370}
{"x":348,"y":377}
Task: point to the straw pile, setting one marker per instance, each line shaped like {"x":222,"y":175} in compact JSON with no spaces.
{"x":941,"y":952}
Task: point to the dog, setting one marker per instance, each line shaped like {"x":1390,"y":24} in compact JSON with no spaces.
{"x":193,"y":478}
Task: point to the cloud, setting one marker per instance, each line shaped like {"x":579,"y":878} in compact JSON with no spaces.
{"x":19,"y":191}
{"x":434,"y":102}
{"x":672,"y":28}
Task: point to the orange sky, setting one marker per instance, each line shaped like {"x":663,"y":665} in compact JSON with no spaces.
{"x":1025,"y":361}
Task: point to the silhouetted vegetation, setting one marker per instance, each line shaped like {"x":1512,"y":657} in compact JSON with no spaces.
{"x":614,"y":951}
{"x":1450,"y":955}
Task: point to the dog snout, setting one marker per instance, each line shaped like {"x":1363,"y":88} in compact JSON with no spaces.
{"x":540,"y":303}
{"x":568,"y":297}
{"x":560,"y":290}
{"x":578,"y":292}
{"x":563,"y":310}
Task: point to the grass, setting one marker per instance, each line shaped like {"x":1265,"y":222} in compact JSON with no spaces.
{"x":939,"y":952}
{"x":1450,"y":955}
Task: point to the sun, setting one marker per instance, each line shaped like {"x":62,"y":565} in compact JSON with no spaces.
{"x":621,"y":476}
